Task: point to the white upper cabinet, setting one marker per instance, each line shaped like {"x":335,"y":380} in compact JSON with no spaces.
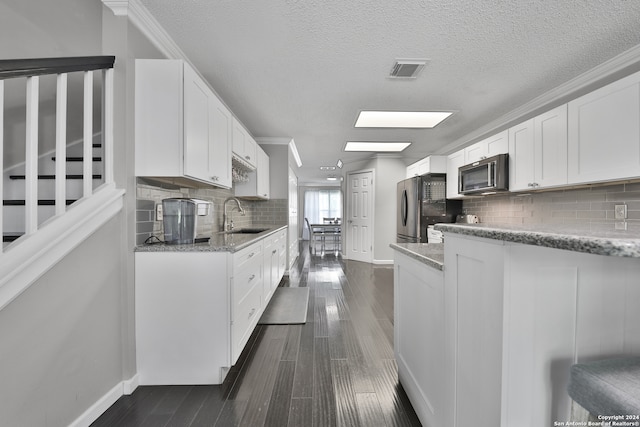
{"x":182,"y":130}
{"x":244,"y":146}
{"x":604,"y":133}
{"x":431,"y":164}
{"x":496,"y":144}
{"x":538,"y":151}
{"x":257,"y":187}
{"x":454,"y":161}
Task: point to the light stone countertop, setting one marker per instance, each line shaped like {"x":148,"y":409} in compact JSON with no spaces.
{"x":432,"y":254}
{"x":596,"y":240}
{"x":218,"y":241}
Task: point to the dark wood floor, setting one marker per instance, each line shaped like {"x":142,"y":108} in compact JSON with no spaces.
{"x":338,"y":369}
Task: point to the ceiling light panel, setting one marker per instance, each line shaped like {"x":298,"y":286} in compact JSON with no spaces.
{"x":376,"y":146}
{"x":401,"y":119}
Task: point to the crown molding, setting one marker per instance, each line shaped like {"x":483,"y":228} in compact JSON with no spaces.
{"x":621,"y":64}
{"x":118,"y":7}
{"x":140,"y":16}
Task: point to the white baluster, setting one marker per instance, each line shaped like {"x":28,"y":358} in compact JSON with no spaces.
{"x":1,"y":155}
{"x":87,"y":171}
{"x":31,"y":156}
{"x":108,"y":126}
{"x":61,"y":143}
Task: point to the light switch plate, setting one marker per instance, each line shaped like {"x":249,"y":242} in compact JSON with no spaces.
{"x":620,"y":211}
{"x":159,"y":212}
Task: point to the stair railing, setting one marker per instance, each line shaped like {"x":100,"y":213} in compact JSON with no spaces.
{"x":32,"y":69}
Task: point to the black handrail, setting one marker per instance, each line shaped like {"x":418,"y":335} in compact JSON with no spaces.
{"x":12,"y":68}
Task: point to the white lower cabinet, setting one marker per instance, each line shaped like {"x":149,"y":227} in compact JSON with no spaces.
{"x":419,"y":335}
{"x":275,"y":260}
{"x":182,"y":317}
{"x":246,"y":295}
{"x":195,"y":311}
{"x":517,"y":317}
{"x":473,"y":332}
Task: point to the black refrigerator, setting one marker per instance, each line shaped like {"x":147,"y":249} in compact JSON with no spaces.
{"x":422,"y":201}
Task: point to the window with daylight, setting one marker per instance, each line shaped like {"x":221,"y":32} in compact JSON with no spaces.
{"x":320,"y":204}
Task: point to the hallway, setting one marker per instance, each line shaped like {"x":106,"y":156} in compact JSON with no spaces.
{"x":338,"y":369}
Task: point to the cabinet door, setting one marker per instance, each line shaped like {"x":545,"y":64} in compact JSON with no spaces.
{"x":454,"y":161}
{"x":158,"y":113}
{"x":250,"y":149}
{"x":550,"y":141}
{"x":473,"y":331}
{"x":262,"y":174}
{"x":497,"y":144}
{"x":221,"y":124}
{"x":243,"y":144}
{"x":419,"y":335}
{"x":521,"y":156}
{"x":413,"y":170}
{"x":239,"y":135}
{"x":604,"y":133}
{"x":197,"y":135}
{"x":474,"y":152}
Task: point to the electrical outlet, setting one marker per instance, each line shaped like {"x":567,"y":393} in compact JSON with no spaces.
{"x":159,"y":212}
{"x":620,"y":211}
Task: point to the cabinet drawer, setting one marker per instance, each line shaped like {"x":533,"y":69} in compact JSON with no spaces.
{"x":242,"y":258}
{"x":244,"y":281}
{"x":245,"y":316}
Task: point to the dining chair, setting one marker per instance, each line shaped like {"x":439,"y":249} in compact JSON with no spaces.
{"x":333,"y":233}
{"x":315,"y":235}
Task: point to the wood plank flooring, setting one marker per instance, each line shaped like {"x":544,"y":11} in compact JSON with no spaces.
{"x":338,"y":369}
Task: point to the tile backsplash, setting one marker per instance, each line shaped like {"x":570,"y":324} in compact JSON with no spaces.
{"x":151,"y":193}
{"x":593,"y":206}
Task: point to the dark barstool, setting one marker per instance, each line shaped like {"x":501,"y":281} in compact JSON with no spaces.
{"x":607,"y":387}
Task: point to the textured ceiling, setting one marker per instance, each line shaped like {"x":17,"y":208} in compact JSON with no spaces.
{"x":304,"y":69}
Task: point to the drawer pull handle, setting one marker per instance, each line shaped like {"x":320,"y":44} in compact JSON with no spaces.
{"x":251,"y":254}
{"x":253,"y":276}
{"x":251,"y":313}
{"x":274,"y":251}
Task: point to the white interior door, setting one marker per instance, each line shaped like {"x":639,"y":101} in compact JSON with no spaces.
{"x":359,"y":224}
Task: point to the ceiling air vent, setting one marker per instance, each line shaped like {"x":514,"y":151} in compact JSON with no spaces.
{"x":407,"y":68}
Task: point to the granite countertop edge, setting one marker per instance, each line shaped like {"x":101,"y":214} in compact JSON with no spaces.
{"x":586,"y":241}
{"x":218,"y":242}
{"x":431,"y":254}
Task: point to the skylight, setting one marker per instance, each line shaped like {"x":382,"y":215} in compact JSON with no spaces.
{"x":400,"y":119}
{"x":376,"y":146}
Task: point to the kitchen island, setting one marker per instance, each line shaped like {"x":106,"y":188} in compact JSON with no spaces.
{"x":197,"y":304}
{"x":516,"y":312}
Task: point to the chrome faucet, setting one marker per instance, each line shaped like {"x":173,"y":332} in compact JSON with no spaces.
{"x":225,"y":226}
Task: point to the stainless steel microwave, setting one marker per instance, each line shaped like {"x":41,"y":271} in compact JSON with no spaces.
{"x":485,"y":176}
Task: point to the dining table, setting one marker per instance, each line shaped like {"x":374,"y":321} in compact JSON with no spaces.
{"x":329,"y":229}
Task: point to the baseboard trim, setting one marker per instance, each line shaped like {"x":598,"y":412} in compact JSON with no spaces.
{"x":382,"y":262}
{"x":98,"y":408}
{"x":129,"y":386}
{"x":125,"y":387}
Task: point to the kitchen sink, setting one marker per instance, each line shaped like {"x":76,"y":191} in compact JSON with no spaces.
{"x":247,"y":231}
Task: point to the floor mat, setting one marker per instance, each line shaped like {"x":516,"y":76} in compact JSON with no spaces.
{"x":287,"y":306}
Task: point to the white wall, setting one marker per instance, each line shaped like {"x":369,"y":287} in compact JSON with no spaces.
{"x":389,"y":169}
{"x":61,"y":339}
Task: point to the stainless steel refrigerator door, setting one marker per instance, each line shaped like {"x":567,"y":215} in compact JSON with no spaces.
{"x":408,"y":217}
